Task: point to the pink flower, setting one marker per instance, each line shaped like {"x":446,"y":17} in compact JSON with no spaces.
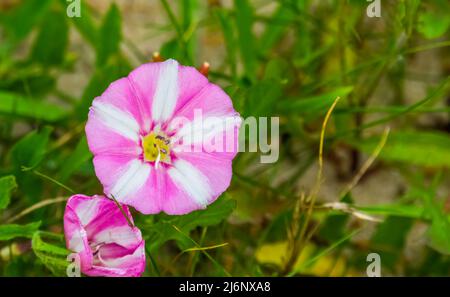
{"x":99,"y":233}
{"x":148,"y":139}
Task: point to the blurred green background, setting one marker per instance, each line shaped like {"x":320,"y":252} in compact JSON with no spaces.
{"x":286,"y":58}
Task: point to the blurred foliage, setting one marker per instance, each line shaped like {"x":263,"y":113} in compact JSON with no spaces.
{"x":285,"y":58}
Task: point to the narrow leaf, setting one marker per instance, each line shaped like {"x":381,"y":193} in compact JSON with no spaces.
{"x":7,"y":185}
{"x":11,"y":231}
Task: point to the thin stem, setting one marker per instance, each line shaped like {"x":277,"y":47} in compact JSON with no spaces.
{"x":203,"y":250}
{"x":172,"y":18}
{"x":51,"y":179}
{"x":194,"y":258}
{"x":67,"y":137}
{"x":37,"y":206}
{"x":122,"y":211}
{"x":367,"y":164}
{"x":297,"y":248}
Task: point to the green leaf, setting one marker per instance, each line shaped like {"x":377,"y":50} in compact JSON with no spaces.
{"x":412,"y":147}
{"x":276,"y":27}
{"x":31,"y":80}
{"x":435,"y":22}
{"x":213,"y":215}
{"x":172,"y":48}
{"x":109,"y":35}
{"x":16,"y":105}
{"x":278,"y":70}
{"x":392,"y":232}
{"x":246,"y":39}
{"x":20,"y":21}
{"x":228,"y":34}
{"x":313,"y":104}
{"x":30,"y":150}
{"x":7,"y":185}
{"x":397,"y":210}
{"x":189,"y":12}
{"x":163,"y":230}
{"x":39,"y":245}
{"x":261,"y":98}
{"x":389,"y":239}
{"x":54,"y":257}
{"x":11,"y":231}
{"x":77,"y":158}
{"x":333,"y":227}
{"x":50,"y":45}
{"x":439,"y":231}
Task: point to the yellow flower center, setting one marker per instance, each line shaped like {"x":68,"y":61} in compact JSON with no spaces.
{"x":156,"y":148}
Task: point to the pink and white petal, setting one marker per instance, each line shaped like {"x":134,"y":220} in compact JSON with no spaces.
{"x":143,"y":81}
{"x":215,"y":172}
{"x":165,"y":87}
{"x":102,"y":139}
{"x":121,"y":175}
{"x":113,"y":232}
{"x":216,"y":135}
{"x":87,"y":208}
{"x":131,"y":265}
{"x":147,"y":199}
{"x":166,"y":92}
{"x":156,"y":86}
{"x":187,"y":189}
{"x":108,"y":168}
{"x":97,"y":221}
{"x":117,"y":120}
{"x":75,"y":234}
{"x":211,"y":100}
{"x":121,"y":95}
{"x":112,"y":251}
{"x":190,"y":83}
{"x":110,"y":225}
{"x":177,"y":201}
{"x":131,"y":179}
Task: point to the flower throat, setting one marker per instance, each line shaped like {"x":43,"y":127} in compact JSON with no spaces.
{"x":156,"y":147}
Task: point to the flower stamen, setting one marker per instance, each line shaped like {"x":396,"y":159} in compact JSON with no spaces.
{"x":156,"y":147}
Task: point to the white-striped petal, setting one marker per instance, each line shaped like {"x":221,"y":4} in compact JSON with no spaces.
{"x":76,"y":243}
{"x":122,"y":235}
{"x":119,"y":121}
{"x":131,"y":260}
{"x":203,"y":129}
{"x":87,"y":210}
{"x":166,"y":93}
{"x":191,"y":181}
{"x":131,"y":180}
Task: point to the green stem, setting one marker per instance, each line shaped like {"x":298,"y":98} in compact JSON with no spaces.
{"x":122,"y":211}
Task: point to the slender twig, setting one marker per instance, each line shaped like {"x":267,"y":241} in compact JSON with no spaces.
{"x":172,"y":18}
{"x":202,"y":250}
{"x":194,"y":256}
{"x":298,"y":245}
{"x":122,"y":211}
{"x":194,"y":249}
{"x":65,"y":138}
{"x":367,"y":164}
{"x":35,"y":207}
{"x":50,"y":179}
